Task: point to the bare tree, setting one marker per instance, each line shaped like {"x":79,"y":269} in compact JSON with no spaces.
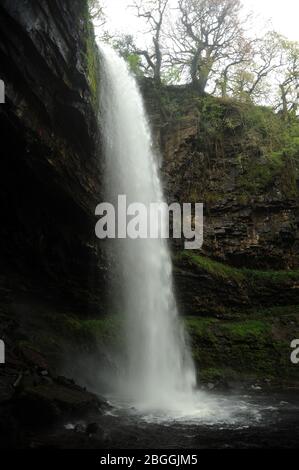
{"x":255,"y":81}
{"x":153,"y":12}
{"x":206,"y":33}
{"x":98,"y":18}
{"x":239,"y":56}
{"x":267,"y":59}
{"x":96,"y":12}
{"x":287,"y":77}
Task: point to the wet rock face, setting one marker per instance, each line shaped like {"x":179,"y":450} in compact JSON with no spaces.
{"x":50,"y":180}
{"x":251,"y":215}
{"x":203,"y":290}
{"x":50,"y":163}
{"x":35,"y":398}
{"x":217,"y":152}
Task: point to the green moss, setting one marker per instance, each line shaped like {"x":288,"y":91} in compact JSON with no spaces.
{"x":213,"y":374}
{"x":243,"y":199}
{"x":248,"y":328}
{"x":208,"y":198}
{"x":103,"y":329}
{"x":61,"y":332}
{"x":214,"y":268}
{"x":201,"y":328}
{"x":281,"y":158}
{"x":264,"y":145}
{"x":278,"y":277}
{"x":224,"y":271}
{"x":248,"y":347}
{"x":92,"y":64}
{"x":92,"y":59}
{"x":176,"y":102}
{"x":244,"y":127}
{"x":291,"y":311}
{"x":253,"y":344}
{"x":258,"y":176}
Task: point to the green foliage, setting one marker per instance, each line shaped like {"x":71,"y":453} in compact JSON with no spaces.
{"x":259,"y":176}
{"x":200,"y":325}
{"x":265,"y":144}
{"x":176,"y":102}
{"x":273,"y":276}
{"x":96,"y":11}
{"x":171,"y":75}
{"x":92,"y":59}
{"x":134,"y":62}
{"x":290,"y":311}
{"x":251,"y":346}
{"x":250,"y":125}
{"x":214,"y":268}
{"x":224,"y":271}
{"x":125,"y":46}
{"x":85,"y":329}
{"x":243,"y":329}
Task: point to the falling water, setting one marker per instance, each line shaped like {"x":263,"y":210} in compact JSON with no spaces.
{"x":159,"y":371}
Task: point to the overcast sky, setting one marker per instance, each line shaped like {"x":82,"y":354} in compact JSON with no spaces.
{"x":284,"y":15}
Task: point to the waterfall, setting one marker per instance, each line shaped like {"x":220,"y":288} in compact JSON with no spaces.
{"x":158,"y":371}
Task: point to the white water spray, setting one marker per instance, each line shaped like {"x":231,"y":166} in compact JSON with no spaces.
{"x":159,"y":369}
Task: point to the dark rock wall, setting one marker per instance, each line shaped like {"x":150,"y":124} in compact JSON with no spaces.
{"x":50,"y":163}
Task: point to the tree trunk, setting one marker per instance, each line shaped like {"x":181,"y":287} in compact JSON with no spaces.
{"x":157,"y":71}
{"x":284,"y":101}
{"x":194,"y":71}
{"x":223,"y":85}
{"x":199,"y":73}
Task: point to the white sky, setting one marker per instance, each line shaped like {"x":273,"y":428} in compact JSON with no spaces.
{"x":284,"y":15}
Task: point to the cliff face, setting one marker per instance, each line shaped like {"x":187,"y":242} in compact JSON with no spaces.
{"x":49,"y":139}
{"x":240,"y":293}
{"x":241,"y":162}
{"x":50,"y":183}
{"x":229,"y":156}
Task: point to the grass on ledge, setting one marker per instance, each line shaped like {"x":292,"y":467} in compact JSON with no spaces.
{"x":224,"y":271}
{"x":215,"y":268}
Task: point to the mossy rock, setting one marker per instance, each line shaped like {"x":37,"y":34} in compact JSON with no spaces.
{"x":250,"y":346}
{"x":92,"y":59}
{"x":225,"y":271}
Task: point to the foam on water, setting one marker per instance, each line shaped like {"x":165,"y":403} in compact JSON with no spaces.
{"x":203,"y":409}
